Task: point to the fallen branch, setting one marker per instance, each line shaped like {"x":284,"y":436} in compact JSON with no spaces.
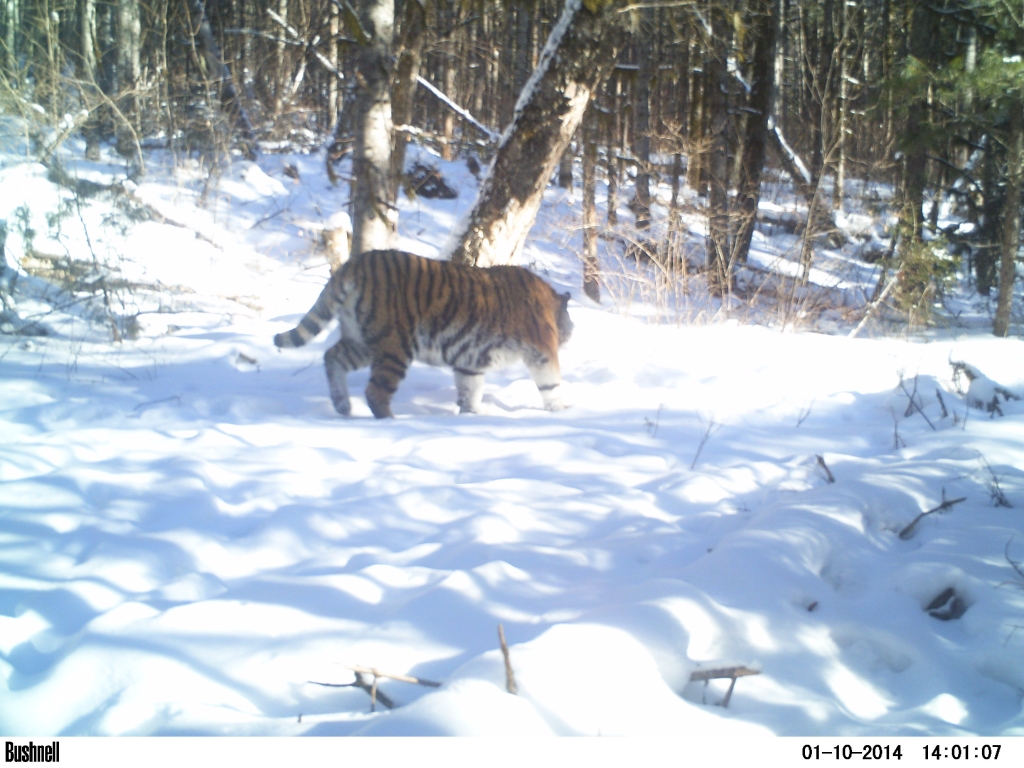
{"x":400,"y":678}
{"x":510,"y":679}
{"x":875,"y":304}
{"x":724,"y":673}
{"x":370,"y":688}
{"x":907,"y":532}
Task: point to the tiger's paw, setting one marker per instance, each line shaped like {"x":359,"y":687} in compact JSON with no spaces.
{"x":342,"y":405}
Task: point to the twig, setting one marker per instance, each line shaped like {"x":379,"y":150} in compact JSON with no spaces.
{"x":375,"y":695}
{"x":913,"y":393}
{"x":994,"y":489}
{"x":510,"y":678}
{"x":942,"y":403}
{"x":907,"y":532}
{"x":652,"y":426}
{"x":897,"y":441}
{"x":823,"y":465}
{"x":914,"y":404}
{"x":148,"y":403}
{"x":707,"y":433}
{"x":805,"y":413}
{"x":1013,"y":564}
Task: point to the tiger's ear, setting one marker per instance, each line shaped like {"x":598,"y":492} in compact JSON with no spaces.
{"x":565,"y":299}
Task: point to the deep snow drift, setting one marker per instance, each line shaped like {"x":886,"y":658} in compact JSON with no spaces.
{"x":189,"y":535}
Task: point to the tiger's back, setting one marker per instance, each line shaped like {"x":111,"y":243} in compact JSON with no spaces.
{"x":394,"y":307}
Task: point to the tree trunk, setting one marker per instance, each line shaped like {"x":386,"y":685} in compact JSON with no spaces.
{"x":612,"y":204}
{"x":717,"y":243}
{"x":522,"y":60}
{"x":755,"y":141}
{"x":333,"y":91}
{"x":129,"y":67}
{"x":280,"y":59}
{"x":915,"y":141}
{"x":580,"y":52}
{"x":449,"y":117}
{"x":696,"y":133}
{"x":822,"y":89}
{"x":13,"y":25}
{"x":1011,"y":220}
{"x":641,"y":203}
{"x":373,"y":215}
{"x":87,"y":51}
{"x":591,"y":284}
{"x":565,"y":168}
{"x":986,"y":256}
{"x":87,"y":39}
{"x":404,"y":91}
{"x":843,"y":107}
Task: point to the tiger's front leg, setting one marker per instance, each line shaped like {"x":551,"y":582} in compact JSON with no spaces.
{"x":343,"y":357}
{"x":548,"y":377}
{"x":470,"y":388}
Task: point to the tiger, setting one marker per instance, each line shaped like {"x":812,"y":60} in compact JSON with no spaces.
{"x":394,"y":307}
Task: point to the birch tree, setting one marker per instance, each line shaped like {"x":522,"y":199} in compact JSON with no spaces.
{"x":372,"y":191}
{"x":579,"y":54}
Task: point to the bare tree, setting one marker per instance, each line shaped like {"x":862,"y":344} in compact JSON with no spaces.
{"x":765,"y":23}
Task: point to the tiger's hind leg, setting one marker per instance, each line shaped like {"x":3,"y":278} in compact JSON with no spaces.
{"x":547,"y":376}
{"x":343,"y":357}
{"x":390,"y":362}
{"x":470,"y":388}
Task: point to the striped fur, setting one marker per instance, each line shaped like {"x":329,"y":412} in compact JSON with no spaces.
{"x":394,"y":307}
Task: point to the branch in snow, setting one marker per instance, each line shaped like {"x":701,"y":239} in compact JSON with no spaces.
{"x":510,"y":678}
{"x":907,"y":532}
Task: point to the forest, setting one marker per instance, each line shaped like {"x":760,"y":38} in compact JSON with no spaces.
{"x":919,"y":101}
{"x":767,"y":482}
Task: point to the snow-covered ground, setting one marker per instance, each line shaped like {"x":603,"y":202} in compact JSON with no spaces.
{"x":191,"y":538}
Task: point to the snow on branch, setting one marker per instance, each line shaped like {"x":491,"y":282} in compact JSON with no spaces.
{"x":309,"y":46}
{"x":791,"y":154}
{"x":457,"y":109}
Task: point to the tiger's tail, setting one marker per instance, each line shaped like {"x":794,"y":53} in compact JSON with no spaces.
{"x":318,"y":317}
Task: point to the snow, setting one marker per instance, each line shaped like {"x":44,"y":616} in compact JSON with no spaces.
{"x":191,"y":538}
